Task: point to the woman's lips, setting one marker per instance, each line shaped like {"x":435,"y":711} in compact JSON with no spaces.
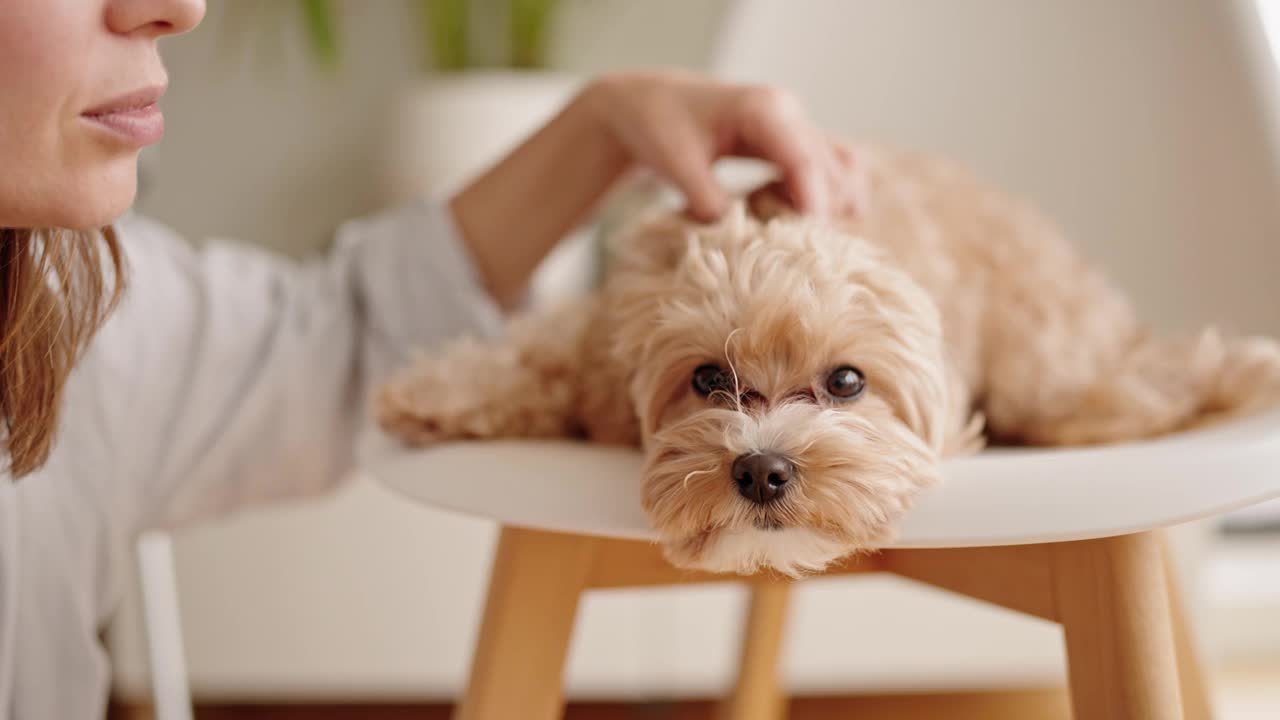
{"x":135,"y":118}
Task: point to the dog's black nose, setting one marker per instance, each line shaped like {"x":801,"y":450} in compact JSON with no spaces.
{"x":762,"y":477}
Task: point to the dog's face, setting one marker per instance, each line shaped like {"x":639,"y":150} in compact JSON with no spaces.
{"x":790,"y":387}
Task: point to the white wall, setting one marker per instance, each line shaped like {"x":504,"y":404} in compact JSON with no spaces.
{"x":1133,"y":123}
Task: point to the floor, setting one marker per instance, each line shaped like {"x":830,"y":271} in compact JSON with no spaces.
{"x":1245,"y":692}
{"x":1024,"y":705}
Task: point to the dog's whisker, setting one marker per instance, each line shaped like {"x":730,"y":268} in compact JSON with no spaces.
{"x":728,"y":356}
{"x":685,"y":483}
{"x":807,"y":447}
{"x":724,"y":395}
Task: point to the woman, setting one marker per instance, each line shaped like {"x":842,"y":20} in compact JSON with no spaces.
{"x":226,"y":376}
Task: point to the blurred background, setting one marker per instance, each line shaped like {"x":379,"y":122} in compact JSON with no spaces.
{"x":1147,"y":128}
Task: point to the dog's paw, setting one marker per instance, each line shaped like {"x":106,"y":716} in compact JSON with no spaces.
{"x":476,"y":392}
{"x":422,"y":422}
{"x":411,"y":424}
{"x":434,"y":400}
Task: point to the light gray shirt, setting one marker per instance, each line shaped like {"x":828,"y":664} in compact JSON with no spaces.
{"x":227,"y":376}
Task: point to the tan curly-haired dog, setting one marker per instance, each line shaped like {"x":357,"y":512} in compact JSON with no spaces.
{"x":794,"y":382}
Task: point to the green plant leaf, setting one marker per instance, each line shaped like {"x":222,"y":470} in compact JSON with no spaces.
{"x":530,"y":22}
{"x":445,"y":26}
{"x":321,"y":28}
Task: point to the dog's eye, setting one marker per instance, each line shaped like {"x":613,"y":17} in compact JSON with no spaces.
{"x":708,"y":379}
{"x":846,"y":383}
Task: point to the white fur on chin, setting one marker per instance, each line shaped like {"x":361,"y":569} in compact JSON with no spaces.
{"x":791,"y":551}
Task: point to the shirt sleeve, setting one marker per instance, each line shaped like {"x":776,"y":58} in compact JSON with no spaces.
{"x":239,"y":375}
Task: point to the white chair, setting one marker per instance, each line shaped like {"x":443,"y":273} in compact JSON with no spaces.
{"x":157,"y":581}
{"x":1073,"y":536}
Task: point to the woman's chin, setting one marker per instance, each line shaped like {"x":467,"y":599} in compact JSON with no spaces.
{"x":99,"y":202}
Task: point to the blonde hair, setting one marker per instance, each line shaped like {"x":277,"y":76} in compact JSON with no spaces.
{"x":56,"y":289}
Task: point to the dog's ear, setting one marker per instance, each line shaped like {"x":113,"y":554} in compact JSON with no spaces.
{"x":603,"y":406}
{"x":911,"y":366}
{"x":931,"y":398}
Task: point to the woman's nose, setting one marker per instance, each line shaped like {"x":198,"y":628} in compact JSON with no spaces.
{"x":154,"y":17}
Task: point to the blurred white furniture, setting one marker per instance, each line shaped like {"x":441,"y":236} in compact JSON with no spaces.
{"x":171,"y":698}
{"x":1072,"y":536}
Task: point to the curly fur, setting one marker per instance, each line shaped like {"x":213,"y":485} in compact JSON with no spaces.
{"x":956,"y":302}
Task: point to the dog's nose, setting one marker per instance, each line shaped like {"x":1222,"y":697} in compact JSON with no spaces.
{"x":762,"y":477}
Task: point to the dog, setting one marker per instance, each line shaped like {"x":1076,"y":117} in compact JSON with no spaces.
{"x":795,"y":382}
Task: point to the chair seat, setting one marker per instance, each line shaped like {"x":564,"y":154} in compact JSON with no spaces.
{"x":998,"y":497}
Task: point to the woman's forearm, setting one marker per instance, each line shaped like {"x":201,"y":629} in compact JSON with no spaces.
{"x":675,"y":124}
{"x":516,"y":212}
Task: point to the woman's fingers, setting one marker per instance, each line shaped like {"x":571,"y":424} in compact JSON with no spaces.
{"x":678,"y":125}
{"x":684,"y":156}
{"x":846,"y":178}
{"x":774,"y":129}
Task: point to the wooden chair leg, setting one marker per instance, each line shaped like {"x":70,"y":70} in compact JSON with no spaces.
{"x":1113,"y":603}
{"x":757,"y":692}
{"x":119,"y":709}
{"x":1197,"y":702}
{"x":517,"y":670}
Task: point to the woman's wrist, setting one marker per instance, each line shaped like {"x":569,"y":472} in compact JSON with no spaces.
{"x":512,"y":215}
{"x":592,"y":107}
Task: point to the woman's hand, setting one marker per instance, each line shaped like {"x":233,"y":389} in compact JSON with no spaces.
{"x":676,"y":124}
